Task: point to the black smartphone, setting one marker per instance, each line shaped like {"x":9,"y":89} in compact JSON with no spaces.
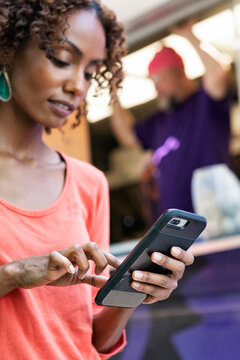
{"x":173,"y":228}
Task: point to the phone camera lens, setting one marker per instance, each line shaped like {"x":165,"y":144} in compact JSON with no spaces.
{"x":175,"y":222}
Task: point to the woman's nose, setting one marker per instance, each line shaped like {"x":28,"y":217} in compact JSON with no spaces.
{"x":77,"y":84}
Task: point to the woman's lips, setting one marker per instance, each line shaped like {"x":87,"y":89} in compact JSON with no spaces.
{"x":62,"y":109}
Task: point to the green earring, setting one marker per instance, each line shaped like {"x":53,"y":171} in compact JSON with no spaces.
{"x":5,"y":87}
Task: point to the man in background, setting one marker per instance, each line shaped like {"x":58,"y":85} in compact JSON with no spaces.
{"x":192,"y":128}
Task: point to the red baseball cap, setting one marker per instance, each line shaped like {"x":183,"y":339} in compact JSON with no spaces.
{"x":165,"y":58}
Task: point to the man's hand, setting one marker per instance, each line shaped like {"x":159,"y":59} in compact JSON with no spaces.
{"x":183,"y":28}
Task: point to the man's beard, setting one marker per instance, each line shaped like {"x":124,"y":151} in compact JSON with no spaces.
{"x":168,"y":105}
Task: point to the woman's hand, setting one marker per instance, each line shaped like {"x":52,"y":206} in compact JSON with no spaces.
{"x":158,"y":286}
{"x":62,"y":268}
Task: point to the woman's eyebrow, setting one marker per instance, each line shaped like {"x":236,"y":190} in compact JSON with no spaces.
{"x":75,"y":48}
{"x":79,"y":52}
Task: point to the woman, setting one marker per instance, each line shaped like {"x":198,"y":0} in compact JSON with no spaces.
{"x":54,"y":209}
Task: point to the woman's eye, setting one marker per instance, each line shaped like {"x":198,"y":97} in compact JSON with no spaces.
{"x":88,"y":76}
{"x":59,"y":63}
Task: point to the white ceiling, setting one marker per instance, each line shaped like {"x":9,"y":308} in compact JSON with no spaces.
{"x":128,"y":10}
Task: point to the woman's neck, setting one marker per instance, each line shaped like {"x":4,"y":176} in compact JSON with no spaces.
{"x":19,"y":135}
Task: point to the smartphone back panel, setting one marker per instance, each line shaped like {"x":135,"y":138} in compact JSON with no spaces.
{"x":161,"y":237}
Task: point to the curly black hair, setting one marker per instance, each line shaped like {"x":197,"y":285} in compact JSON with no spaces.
{"x":41,"y":20}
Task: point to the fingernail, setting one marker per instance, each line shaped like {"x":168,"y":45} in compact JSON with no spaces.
{"x":81,"y":276}
{"x":157,"y":256}
{"x":137,"y":275}
{"x":176,"y":251}
{"x":71,"y":269}
{"x":135,"y":285}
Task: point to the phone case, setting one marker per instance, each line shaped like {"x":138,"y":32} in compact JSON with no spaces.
{"x":160,"y":237}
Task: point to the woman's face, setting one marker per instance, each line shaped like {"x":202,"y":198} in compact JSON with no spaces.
{"x":49,"y":90}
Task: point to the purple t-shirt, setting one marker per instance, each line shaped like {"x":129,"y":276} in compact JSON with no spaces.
{"x":194,"y":135}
